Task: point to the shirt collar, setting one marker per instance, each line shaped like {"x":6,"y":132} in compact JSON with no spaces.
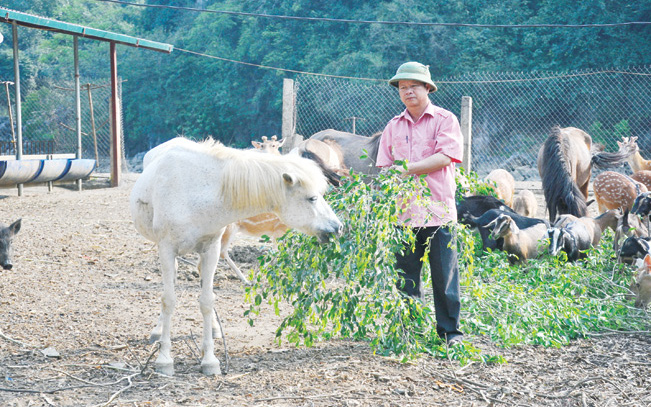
{"x":429,"y":110}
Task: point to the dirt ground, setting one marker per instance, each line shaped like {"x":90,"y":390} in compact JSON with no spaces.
{"x":78,"y":306}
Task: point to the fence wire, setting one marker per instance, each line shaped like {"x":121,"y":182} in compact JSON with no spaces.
{"x":513,"y":113}
{"x":49,"y":118}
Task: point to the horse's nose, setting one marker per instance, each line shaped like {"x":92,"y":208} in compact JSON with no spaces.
{"x":7,"y":266}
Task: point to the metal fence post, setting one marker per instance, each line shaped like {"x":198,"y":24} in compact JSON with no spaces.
{"x":75,"y":45}
{"x":19,"y":117}
{"x":466,"y":130}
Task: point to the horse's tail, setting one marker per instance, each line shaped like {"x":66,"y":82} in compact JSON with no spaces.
{"x":604,"y":160}
{"x":332,"y":177}
{"x":562,"y":194}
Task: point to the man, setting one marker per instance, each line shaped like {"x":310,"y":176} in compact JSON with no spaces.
{"x":429,"y":139}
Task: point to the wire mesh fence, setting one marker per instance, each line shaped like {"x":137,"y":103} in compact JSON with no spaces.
{"x":513,"y":113}
{"x":49,"y":120}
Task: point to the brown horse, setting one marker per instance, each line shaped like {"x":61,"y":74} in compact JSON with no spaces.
{"x":565,"y":164}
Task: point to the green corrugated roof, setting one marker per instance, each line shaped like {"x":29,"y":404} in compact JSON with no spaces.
{"x":29,"y":20}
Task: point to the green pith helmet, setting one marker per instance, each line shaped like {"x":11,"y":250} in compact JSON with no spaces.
{"x":413,"y":71}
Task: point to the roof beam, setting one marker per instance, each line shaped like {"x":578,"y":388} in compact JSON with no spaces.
{"x":29,"y":20}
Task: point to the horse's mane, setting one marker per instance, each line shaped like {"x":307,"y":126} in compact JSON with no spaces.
{"x":252,"y":179}
{"x":333,"y":178}
{"x":561,"y":192}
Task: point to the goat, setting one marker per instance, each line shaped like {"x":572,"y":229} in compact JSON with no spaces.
{"x":641,"y":287}
{"x":594,"y":226}
{"x":564,"y":220}
{"x":574,"y":239}
{"x":642,"y":207}
{"x":525,"y":203}
{"x":482,"y":224}
{"x":477,"y":205}
{"x":634,"y":248}
{"x":503,"y":184}
{"x":520,"y":244}
{"x":575,"y":235}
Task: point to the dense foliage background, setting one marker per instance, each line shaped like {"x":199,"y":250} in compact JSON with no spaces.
{"x":182,"y":93}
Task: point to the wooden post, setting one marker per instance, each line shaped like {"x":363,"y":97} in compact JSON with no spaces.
{"x":92,"y":123}
{"x":116,"y":147}
{"x":466,"y":130}
{"x":289,"y":115}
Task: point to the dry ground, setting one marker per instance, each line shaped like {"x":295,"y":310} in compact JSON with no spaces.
{"x":83,"y":295}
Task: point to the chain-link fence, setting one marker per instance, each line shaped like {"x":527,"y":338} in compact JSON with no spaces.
{"x":513,"y":113}
{"x":49,"y":120}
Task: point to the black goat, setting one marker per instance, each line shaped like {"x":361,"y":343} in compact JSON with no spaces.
{"x":482,"y":224}
{"x":477,"y":205}
{"x":642,"y":207}
{"x":634,"y":248}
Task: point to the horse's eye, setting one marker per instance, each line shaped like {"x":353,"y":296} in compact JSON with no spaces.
{"x":313,"y":198}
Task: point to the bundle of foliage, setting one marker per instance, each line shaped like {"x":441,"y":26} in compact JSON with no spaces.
{"x":347,"y":288}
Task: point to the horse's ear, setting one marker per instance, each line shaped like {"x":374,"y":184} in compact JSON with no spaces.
{"x":15,"y":227}
{"x":281,"y":142}
{"x":290,"y":179}
{"x":256,"y":144}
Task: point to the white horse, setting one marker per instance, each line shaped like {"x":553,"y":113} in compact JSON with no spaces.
{"x":189,"y":192}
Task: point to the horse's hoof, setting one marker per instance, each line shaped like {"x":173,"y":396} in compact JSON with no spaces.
{"x":211,"y":369}
{"x":153,"y":338}
{"x":164,"y":368}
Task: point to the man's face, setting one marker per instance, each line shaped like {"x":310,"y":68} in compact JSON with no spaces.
{"x":413,"y":93}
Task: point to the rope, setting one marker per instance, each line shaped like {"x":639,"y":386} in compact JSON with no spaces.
{"x":273,"y":67}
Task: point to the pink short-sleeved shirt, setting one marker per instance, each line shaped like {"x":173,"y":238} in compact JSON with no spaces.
{"x":437,"y":131}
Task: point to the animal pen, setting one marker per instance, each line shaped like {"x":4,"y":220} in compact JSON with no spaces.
{"x":512,"y":113}
{"x":54,"y":115}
